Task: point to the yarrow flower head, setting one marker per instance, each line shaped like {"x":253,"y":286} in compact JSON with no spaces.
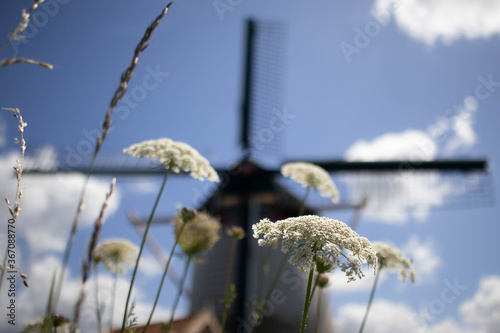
{"x":235,"y":232}
{"x":312,"y":176}
{"x":176,"y":156}
{"x":200,"y":233}
{"x":311,"y":237}
{"x":391,"y":258}
{"x":117,"y":255}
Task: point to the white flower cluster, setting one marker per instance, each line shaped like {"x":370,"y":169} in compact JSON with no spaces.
{"x":36,"y":326}
{"x":312,"y":176}
{"x":117,"y":255}
{"x":391,"y":258}
{"x":178,"y":156}
{"x":310,"y":237}
{"x":196,"y":233}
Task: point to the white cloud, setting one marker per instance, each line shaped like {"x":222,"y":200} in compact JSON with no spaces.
{"x":149,"y":266}
{"x":34,"y":298}
{"x":339,"y":284}
{"x":395,"y":197}
{"x":408,"y":145}
{"x":49,"y":203}
{"x":387,"y":317}
{"x":480,"y":314}
{"x":462,"y":134}
{"x":483,"y":310}
{"x":44,"y":159}
{"x":32,"y":301}
{"x":144,"y":185}
{"x":142,"y":309}
{"x":384,"y":317}
{"x":445,"y":20}
{"x":426,"y":260}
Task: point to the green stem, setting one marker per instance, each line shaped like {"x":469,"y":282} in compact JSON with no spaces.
{"x":163,"y":278}
{"x":314,"y":288}
{"x":372,"y":293}
{"x":302,"y":208}
{"x":46,"y":319}
{"x":307,"y":301}
{"x":141,"y":248}
{"x":181,"y":287}
{"x":97,"y":305}
{"x":227,"y":304}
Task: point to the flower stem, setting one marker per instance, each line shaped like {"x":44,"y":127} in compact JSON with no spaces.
{"x":307,"y":301}
{"x":227,"y":304}
{"x":314,"y":288}
{"x":372,"y":293}
{"x":163,"y":278}
{"x":302,"y":208}
{"x":141,"y":248}
{"x":181,"y":287}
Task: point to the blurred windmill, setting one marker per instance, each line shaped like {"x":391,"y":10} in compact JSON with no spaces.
{"x":249,"y":191}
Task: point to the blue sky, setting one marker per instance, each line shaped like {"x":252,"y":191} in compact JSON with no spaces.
{"x":370,"y":80}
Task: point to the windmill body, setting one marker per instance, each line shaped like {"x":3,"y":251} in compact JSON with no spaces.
{"x":251,"y":193}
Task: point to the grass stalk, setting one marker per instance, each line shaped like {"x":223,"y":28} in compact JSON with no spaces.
{"x":90,"y":254}
{"x":22,"y":25}
{"x":14,"y":212}
{"x":106,"y":126}
{"x":14,"y":60}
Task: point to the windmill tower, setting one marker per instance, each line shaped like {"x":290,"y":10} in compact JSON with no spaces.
{"x":248,"y":193}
